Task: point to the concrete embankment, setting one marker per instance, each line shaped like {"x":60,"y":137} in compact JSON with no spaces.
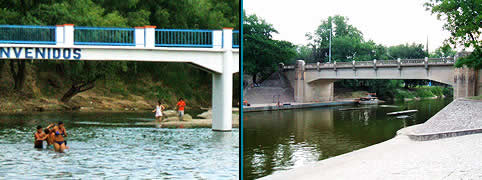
{"x":461,"y":117}
{"x":401,"y":157}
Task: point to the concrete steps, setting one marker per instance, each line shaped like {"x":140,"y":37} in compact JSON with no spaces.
{"x":269,"y":90}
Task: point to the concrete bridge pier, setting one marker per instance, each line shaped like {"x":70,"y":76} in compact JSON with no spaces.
{"x":467,"y":82}
{"x":222,"y":91}
{"x":299,"y":81}
{"x":314,"y":91}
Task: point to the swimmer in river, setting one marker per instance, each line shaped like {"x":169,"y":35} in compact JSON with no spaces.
{"x":40,"y":136}
{"x":59,"y":133}
{"x":50,"y":136}
{"x":158,"y":110}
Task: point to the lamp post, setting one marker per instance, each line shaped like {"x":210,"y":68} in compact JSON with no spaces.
{"x":329,"y":49}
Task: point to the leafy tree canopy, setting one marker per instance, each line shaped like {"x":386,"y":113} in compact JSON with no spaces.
{"x":261,"y":52}
{"x":463,"y":19}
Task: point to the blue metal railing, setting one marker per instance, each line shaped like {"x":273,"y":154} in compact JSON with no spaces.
{"x":26,"y":34}
{"x":236,"y":39}
{"x":184,"y":38}
{"x":104,"y":36}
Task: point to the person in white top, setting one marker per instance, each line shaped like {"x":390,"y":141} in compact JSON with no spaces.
{"x":158,"y":110}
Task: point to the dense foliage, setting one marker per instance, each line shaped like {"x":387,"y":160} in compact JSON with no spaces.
{"x":463,"y":19}
{"x":348,"y":44}
{"x":82,"y":75}
{"x":261,"y":53}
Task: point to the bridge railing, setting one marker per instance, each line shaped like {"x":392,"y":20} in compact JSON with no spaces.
{"x":378,"y":63}
{"x":104,"y":36}
{"x":387,"y":62}
{"x":441,"y":60}
{"x":184,"y":38}
{"x":236,"y":39}
{"x":24,"y":34}
{"x":146,"y":36}
{"x":363,"y":63}
{"x":343,"y":64}
{"x":412,"y":61}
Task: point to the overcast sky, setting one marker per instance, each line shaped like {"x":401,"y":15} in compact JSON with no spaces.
{"x":387,"y":22}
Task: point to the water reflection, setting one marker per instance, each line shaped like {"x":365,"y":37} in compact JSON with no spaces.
{"x":280,"y":140}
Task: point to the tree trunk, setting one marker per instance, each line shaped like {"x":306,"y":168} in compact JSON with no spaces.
{"x":254,"y":78}
{"x":1,"y":67}
{"x":76,"y":89}
{"x":19,"y":75}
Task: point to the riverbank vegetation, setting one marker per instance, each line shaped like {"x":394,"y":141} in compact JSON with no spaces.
{"x":27,"y":83}
{"x":396,"y":90}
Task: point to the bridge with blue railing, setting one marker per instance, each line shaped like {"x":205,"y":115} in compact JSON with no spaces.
{"x":216,"y":51}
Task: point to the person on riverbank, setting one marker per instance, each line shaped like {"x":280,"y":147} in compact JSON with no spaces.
{"x":158,"y":110}
{"x":180,"y":108}
{"x":59,"y":133}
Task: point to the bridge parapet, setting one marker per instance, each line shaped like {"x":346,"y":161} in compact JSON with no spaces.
{"x":145,"y":36}
{"x":377,"y":63}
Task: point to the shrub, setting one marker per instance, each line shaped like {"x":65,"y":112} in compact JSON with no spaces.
{"x":119,"y":90}
{"x":424,"y":92}
{"x":401,"y":94}
{"x":448,"y":91}
{"x":436,"y":90}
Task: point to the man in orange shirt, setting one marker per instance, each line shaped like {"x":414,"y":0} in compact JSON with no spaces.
{"x":180,"y":108}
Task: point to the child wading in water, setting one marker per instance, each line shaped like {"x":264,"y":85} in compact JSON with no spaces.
{"x":158,"y":110}
{"x":40,"y":136}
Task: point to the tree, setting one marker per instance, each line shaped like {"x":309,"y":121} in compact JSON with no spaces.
{"x":406,"y":51}
{"x":17,"y":68}
{"x":305,"y":53}
{"x":347,"y":42}
{"x":463,"y":19}
{"x":443,"y":51}
{"x":261,"y":53}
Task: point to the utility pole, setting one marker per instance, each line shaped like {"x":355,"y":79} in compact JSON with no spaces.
{"x":329,"y":50}
{"x":426,"y":48}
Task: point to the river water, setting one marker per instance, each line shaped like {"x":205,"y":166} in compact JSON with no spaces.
{"x":282,"y":140}
{"x":115,"y":145}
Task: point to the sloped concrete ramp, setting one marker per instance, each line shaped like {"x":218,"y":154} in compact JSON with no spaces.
{"x":461,"y":117}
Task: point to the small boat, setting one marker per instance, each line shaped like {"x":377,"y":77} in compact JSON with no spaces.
{"x":402,"y":112}
{"x":348,"y":109}
{"x":369,"y":99}
{"x":403,"y":117}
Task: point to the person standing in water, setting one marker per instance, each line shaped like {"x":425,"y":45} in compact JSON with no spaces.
{"x":158,"y":110}
{"x":59,"y":134}
{"x":40,"y":136}
{"x":180,"y":108}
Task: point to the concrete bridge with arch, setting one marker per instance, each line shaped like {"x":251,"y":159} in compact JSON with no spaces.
{"x":315,"y":82}
{"x":216,"y":51}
